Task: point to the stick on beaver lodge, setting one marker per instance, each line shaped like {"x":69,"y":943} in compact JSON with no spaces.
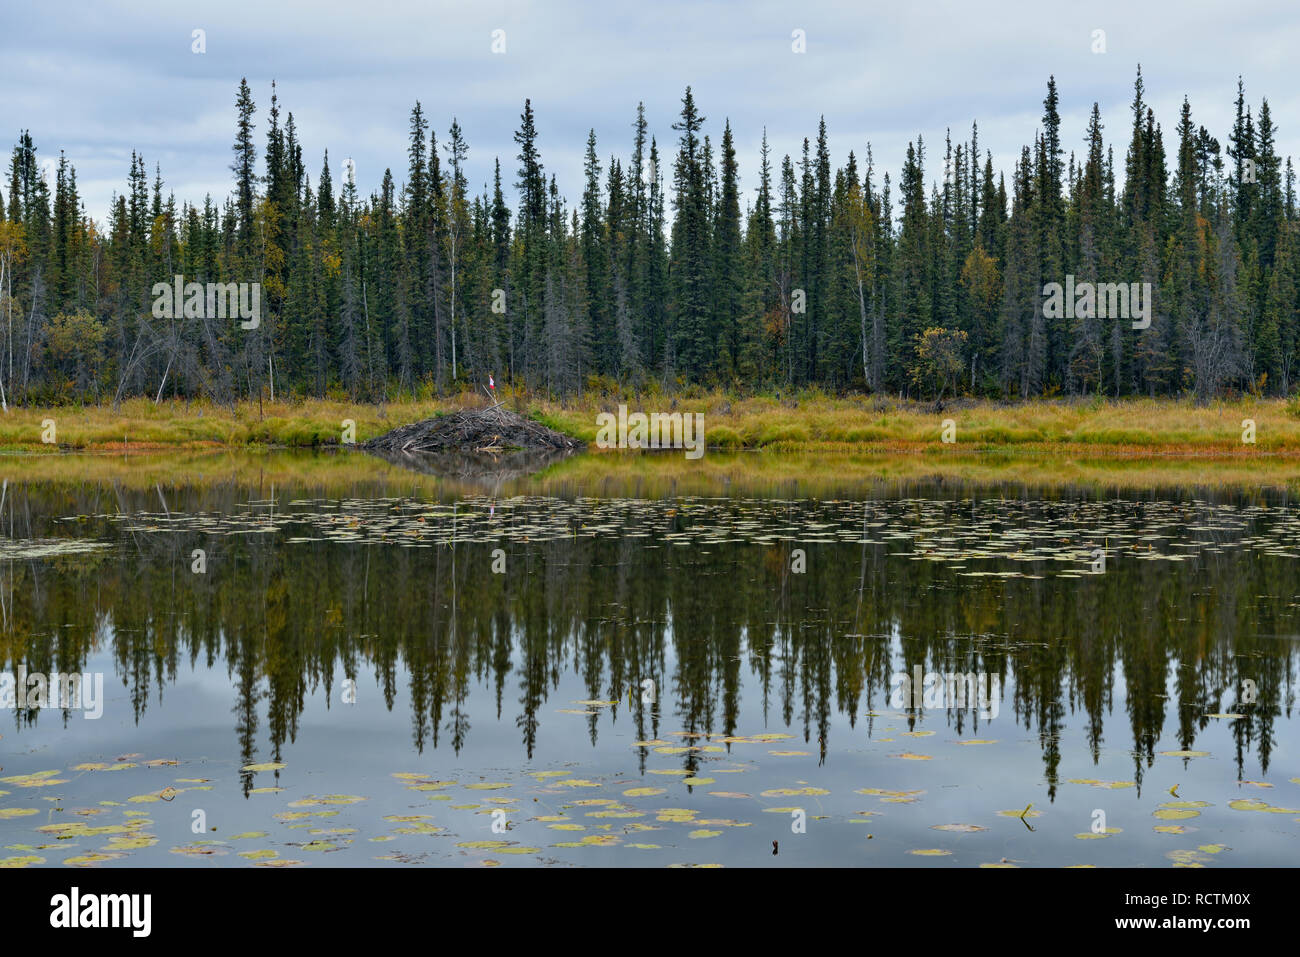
{"x":491,"y":429}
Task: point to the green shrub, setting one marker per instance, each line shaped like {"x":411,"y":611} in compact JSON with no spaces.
{"x":783,"y":433}
{"x":721,"y":437}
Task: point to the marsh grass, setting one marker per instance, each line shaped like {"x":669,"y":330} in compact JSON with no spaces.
{"x":824,"y":423}
{"x":139,"y":424}
{"x":808,"y":423}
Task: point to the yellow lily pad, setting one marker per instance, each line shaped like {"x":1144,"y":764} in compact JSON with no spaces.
{"x":134,"y":843}
{"x":90,"y":860}
{"x":1175,"y":814}
{"x":328,"y":799}
{"x":39,"y":779}
{"x":265,"y":854}
{"x":643,"y":792}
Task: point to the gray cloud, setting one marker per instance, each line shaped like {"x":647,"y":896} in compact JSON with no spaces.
{"x":99,"y":79}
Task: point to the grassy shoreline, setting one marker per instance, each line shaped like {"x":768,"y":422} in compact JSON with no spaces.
{"x":1132,"y":427}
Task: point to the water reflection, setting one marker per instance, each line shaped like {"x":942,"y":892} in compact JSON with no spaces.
{"x":478,"y":607}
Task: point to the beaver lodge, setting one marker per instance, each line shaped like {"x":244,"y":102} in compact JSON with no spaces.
{"x":492,"y":429}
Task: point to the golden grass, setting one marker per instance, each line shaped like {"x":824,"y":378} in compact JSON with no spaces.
{"x":1134,"y":426}
{"x":139,"y":424}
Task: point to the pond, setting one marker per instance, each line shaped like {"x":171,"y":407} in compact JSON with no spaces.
{"x":290,"y":662}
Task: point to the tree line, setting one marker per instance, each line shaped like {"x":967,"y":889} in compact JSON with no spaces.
{"x":665,"y":273}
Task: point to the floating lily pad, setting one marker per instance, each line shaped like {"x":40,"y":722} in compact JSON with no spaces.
{"x":90,"y":860}
{"x":39,"y":779}
{"x":327,"y":800}
{"x":132,"y":843}
{"x":1248,"y":804}
{"x":643,"y":792}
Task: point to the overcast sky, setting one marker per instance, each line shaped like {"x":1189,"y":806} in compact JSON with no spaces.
{"x":100,"y":78}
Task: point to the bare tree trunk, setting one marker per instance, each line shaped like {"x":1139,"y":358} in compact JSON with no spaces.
{"x":163,"y":383}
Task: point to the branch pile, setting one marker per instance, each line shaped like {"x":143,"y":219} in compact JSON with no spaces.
{"x":493,"y":429}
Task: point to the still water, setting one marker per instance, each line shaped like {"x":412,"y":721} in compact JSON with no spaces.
{"x":571,"y":671}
